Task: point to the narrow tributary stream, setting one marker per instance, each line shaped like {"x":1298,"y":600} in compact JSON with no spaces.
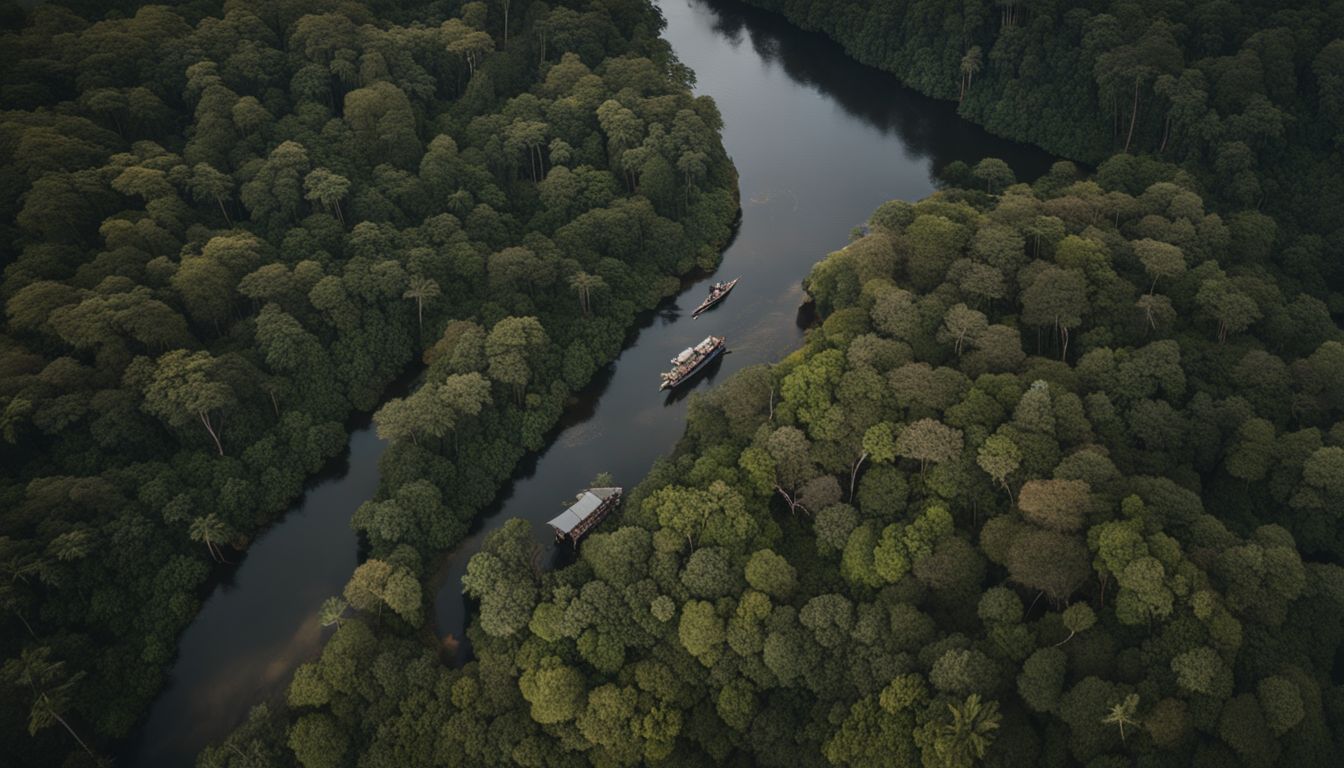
{"x":819,"y":142}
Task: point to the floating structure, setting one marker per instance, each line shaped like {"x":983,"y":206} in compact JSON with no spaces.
{"x":691,"y":360}
{"x":585,"y":513}
{"x":717,"y":293}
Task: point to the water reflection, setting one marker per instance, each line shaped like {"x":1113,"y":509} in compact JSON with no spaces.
{"x":260,"y":619}
{"x":866,"y":94}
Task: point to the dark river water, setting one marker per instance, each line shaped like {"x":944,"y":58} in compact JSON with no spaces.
{"x":819,"y":142}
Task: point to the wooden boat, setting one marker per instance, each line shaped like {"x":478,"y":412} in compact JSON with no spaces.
{"x":588,"y":509}
{"x":692,"y":360}
{"x":717,"y":293}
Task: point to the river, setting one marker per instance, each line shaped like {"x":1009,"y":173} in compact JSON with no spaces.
{"x":819,"y":141}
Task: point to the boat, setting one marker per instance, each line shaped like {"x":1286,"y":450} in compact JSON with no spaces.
{"x":588,"y":509}
{"x":717,"y":292}
{"x":691,"y":360}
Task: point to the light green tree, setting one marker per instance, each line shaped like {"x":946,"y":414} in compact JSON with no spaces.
{"x":965,"y":739}
{"x":332,"y":612}
{"x":511,"y":343}
{"x":327,"y":188}
{"x":995,"y":173}
{"x":999,"y":457}
{"x":1078,"y":617}
{"x":185,"y":387}
{"x":210,"y":530}
{"x":929,"y":441}
{"x":584,"y":284}
{"x":1123,"y":714}
{"x":879,"y":444}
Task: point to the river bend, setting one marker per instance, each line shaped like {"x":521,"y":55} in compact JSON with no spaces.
{"x":819,"y":141}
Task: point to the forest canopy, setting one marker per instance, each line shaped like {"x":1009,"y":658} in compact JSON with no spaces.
{"x":1247,"y":97}
{"x":226,"y":227}
{"x":1055,"y":478}
{"x":1054,"y":481}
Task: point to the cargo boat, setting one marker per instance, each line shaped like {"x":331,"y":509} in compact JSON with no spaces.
{"x":717,"y":293}
{"x":691,"y":360}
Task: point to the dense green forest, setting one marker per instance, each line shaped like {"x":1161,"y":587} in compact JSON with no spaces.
{"x":1245,"y":95}
{"x":227,"y":226}
{"x":1056,"y":481}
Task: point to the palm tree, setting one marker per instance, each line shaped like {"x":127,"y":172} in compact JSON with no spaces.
{"x":968,"y":736}
{"x":72,"y":545}
{"x":50,"y":687}
{"x":332,"y":611}
{"x":1122,"y":714}
{"x":460,"y":203}
{"x":584,"y":284}
{"x":970,"y":67}
{"x":211,"y":530}
{"x":20,"y":563}
{"x":19,"y":567}
{"x":422,"y":289}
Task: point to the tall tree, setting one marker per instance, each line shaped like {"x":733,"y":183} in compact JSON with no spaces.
{"x":1056,"y":297}
{"x":1124,"y":713}
{"x":999,"y":457}
{"x":995,"y":173}
{"x":1160,"y":260}
{"x":50,"y":687}
{"x":421,"y":289}
{"x":332,"y":611}
{"x":971,"y":64}
{"x":929,"y":441}
{"x":1137,"y":65}
{"x":210,"y":530}
{"x":208,"y":183}
{"x":505,"y":5}
{"x":328,"y":188}
{"x":966,"y":739}
{"x":509,"y":348}
{"x":584,"y":283}
{"x":185,"y":387}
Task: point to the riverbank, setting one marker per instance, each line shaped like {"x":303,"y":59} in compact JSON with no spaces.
{"x":783,"y":94}
{"x":246,"y":644}
{"x":595,"y":620}
{"x":1255,"y":125}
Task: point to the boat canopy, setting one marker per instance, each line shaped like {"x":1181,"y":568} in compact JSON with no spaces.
{"x":686,"y":354}
{"x":587,"y":504}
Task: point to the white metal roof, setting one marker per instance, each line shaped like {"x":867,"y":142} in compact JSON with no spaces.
{"x":586,"y":505}
{"x":581,"y":509}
